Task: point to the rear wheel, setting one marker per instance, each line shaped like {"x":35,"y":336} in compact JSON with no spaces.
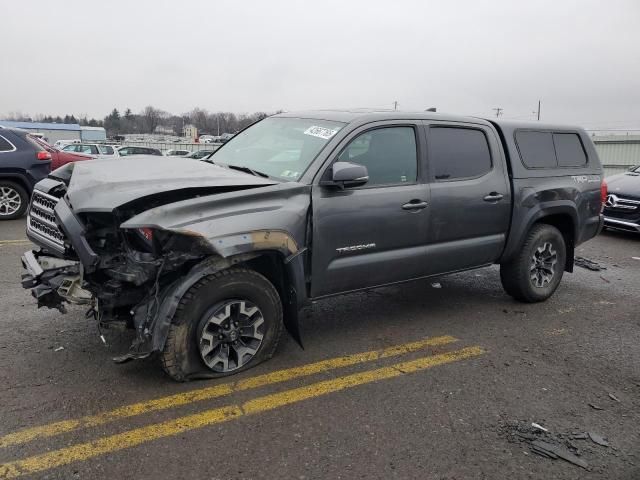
{"x":13,"y":200}
{"x":224,"y":324}
{"x":535,"y":273}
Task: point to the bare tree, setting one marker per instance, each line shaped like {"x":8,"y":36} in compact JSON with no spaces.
{"x":151,"y":117}
{"x":200,"y":118}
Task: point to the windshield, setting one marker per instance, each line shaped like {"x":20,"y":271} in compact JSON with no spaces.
{"x":279,"y":147}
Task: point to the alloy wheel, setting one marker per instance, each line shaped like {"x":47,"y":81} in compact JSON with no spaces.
{"x":231,"y":335}
{"x":543,"y":264}
{"x":10,"y":201}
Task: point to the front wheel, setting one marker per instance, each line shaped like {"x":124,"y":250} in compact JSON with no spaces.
{"x":535,"y":273}
{"x":224,"y":324}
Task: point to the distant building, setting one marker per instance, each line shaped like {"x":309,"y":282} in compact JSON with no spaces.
{"x":190,"y":131}
{"x":93,"y":134}
{"x":162,"y":130}
{"x":52,"y":132}
{"x":617,"y":152}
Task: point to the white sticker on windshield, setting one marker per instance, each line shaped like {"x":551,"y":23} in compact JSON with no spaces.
{"x":320,"y":132}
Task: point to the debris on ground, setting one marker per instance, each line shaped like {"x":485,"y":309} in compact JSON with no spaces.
{"x":436,"y":285}
{"x":546,"y":449}
{"x":551,"y":445}
{"x":58,"y":349}
{"x":635,"y":258}
{"x":614,"y":398}
{"x":595,"y":438}
{"x":595,"y":407}
{"x":588,"y":264}
{"x":539,"y":427}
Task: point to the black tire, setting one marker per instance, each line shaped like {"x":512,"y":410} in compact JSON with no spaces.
{"x":182,"y":359}
{"x":20,"y":193}
{"x":517,"y":275}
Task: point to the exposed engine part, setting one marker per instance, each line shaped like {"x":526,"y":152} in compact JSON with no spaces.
{"x":72,"y":291}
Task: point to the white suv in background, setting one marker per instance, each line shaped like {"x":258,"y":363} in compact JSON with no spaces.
{"x":92,"y":149}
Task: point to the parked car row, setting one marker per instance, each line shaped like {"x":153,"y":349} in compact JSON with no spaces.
{"x":225,"y":137}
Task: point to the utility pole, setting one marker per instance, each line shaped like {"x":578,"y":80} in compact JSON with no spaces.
{"x":538,"y":110}
{"x":498,"y":111}
{"x":395,"y":105}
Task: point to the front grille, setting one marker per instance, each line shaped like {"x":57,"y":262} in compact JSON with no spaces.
{"x":626,"y":203}
{"x":622,"y":207}
{"x":41,"y":222}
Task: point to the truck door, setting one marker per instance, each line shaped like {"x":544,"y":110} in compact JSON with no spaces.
{"x":470,"y":196}
{"x":377,"y":233}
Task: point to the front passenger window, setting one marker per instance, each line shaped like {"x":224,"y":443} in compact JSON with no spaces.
{"x":389,"y":154}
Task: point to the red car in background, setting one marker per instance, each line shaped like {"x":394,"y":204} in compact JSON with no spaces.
{"x":58,"y":157}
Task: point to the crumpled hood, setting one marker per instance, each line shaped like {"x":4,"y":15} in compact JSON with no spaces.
{"x":103,"y":185}
{"x":628,"y":183}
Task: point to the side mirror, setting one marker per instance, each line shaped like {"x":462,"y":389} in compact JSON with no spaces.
{"x":347,"y":174}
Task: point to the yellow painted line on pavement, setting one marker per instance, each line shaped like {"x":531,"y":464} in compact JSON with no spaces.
{"x":138,"y":436}
{"x":15,"y":242}
{"x":171,"y":401}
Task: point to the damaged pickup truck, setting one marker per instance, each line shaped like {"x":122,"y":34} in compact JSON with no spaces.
{"x":210,"y":261}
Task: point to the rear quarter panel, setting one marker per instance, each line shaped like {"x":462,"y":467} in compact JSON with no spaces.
{"x":538,"y":193}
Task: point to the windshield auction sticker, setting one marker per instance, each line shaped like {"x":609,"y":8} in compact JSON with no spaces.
{"x":320,"y":132}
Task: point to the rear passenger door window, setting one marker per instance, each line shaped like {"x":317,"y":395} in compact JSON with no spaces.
{"x":389,"y":153}
{"x":458,"y":153}
{"x":569,"y":150}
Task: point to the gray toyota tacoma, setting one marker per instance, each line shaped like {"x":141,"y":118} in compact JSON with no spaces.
{"x":210,"y":261}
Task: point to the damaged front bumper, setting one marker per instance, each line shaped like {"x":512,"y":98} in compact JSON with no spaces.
{"x":54,"y":280}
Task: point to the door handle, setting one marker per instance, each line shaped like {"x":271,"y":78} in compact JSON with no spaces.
{"x":415,"y":205}
{"x":493,"y":197}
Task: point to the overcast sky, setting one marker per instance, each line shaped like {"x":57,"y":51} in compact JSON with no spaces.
{"x":581,"y":58}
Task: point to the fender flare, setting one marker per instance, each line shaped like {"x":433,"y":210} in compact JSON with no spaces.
{"x":173,"y":293}
{"x":151,"y":334}
{"x":556,"y":207}
{"x":230,"y":251}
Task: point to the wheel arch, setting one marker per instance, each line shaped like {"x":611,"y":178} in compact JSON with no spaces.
{"x":561,"y":214}
{"x":17,"y":179}
{"x":286,"y":275}
{"x":567,"y":226}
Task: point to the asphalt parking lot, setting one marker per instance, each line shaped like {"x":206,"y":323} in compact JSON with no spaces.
{"x":411,"y":381}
